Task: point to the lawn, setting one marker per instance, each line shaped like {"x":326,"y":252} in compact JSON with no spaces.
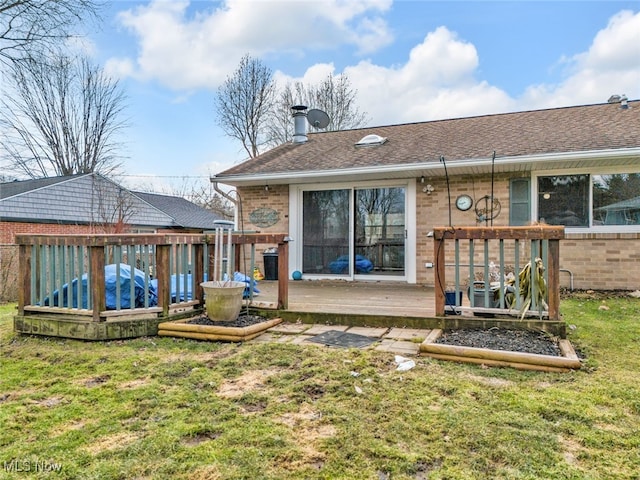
{"x":172,"y":408}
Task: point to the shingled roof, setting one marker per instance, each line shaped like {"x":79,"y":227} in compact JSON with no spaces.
{"x":87,"y":198}
{"x":185,"y":213}
{"x":530,"y":135}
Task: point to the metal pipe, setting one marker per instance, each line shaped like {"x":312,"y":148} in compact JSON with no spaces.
{"x":222,"y":192}
{"x":570,"y":276}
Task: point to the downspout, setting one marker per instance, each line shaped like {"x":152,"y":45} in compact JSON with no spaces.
{"x":224,"y":194}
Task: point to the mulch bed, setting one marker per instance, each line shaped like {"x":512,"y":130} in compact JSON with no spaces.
{"x":538,"y":343}
{"x":240,"y":322}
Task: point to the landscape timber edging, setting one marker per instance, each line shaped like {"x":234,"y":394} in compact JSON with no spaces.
{"x":502,"y":358}
{"x":181,"y":328}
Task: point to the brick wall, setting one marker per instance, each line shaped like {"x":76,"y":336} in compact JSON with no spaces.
{"x":601,"y":261}
{"x":597,"y":261}
{"x":432,"y":210}
{"x":8,"y":230}
{"x":253,"y":198}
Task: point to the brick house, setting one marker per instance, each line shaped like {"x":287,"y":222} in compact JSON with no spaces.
{"x":360,"y":204}
{"x":87,"y":204}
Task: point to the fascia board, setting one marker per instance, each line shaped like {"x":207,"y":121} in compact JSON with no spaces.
{"x":432,"y":168}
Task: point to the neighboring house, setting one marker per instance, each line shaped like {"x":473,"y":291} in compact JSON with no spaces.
{"x":88,"y":204}
{"x":359,"y":204}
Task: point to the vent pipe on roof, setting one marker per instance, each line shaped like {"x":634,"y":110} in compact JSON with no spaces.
{"x":624,"y":102}
{"x":299,"y":123}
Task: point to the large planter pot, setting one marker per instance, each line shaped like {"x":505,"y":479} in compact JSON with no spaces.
{"x":223,"y":300}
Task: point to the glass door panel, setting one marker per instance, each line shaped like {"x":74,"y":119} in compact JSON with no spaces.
{"x":325,"y":232}
{"x":379,"y":231}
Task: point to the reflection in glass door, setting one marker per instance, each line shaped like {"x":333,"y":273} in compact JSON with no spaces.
{"x":379,"y":231}
{"x":325,"y":232}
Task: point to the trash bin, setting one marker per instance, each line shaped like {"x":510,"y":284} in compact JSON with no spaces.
{"x":270,"y":259}
{"x":478,"y":295}
{"x":451,"y":304}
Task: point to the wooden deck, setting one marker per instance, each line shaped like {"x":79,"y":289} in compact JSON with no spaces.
{"x":50,"y":264}
{"x":385,"y":304}
{"x":393,"y":299}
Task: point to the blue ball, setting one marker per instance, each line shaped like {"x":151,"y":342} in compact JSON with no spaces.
{"x":297,"y":275}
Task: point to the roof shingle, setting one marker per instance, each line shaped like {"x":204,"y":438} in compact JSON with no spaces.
{"x":569,"y":129}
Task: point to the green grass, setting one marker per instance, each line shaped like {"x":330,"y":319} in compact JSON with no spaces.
{"x":178,"y":409}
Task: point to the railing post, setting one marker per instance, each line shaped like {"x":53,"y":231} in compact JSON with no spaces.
{"x":198,"y":272}
{"x":24,"y":282}
{"x":438,"y":254}
{"x":283,"y":276}
{"x":99,"y":300}
{"x":553,"y":271}
{"x":164,"y":277}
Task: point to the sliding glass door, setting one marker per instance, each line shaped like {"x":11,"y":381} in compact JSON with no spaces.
{"x":325,"y":232}
{"x":355,"y":233}
{"x":379,"y":242}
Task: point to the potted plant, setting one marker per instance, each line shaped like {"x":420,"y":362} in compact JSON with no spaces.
{"x":223,"y":299}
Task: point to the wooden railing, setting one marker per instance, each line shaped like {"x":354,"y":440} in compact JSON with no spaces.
{"x":482,"y":259}
{"x":65,"y":274}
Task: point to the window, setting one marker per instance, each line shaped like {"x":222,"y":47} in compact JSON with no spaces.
{"x":564,"y":200}
{"x":585,"y":200}
{"x":519,"y":196}
{"x":616,"y":199}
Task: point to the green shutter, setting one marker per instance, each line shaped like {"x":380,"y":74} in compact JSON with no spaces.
{"x":520,"y":201}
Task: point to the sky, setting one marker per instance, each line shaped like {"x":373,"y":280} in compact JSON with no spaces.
{"x":410,"y":61}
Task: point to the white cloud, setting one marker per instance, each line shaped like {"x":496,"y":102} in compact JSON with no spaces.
{"x":611,"y":65}
{"x":439,"y":79}
{"x":184,"y":51}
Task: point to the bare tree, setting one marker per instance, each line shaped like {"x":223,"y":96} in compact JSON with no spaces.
{"x":337,"y":98}
{"x":280,"y":128}
{"x":334,"y":95}
{"x":244,"y":103}
{"x":196,"y":191}
{"x":112,"y":206}
{"x":63,"y":118}
{"x":37,"y":25}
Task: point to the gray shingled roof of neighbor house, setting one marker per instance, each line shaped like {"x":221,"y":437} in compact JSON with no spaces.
{"x":91,"y":198}
{"x":185,"y":213}
{"x":10,"y":189}
{"x":521,"y":140}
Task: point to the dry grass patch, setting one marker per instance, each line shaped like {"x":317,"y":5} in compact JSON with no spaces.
{"x":201,"y":357}
{"x":133,"y":384}
{"x":491,"y":381}
{"x":69,"y":427}
{"x":112,"y":442}
{"x":48,"y":402}
{"x":570,"y":449}
{"x":249,"y":381}
{"x":307,"y":431}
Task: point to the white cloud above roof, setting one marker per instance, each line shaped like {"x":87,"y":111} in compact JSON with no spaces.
{"x":613,"y":58}
{"x":185,"y":51}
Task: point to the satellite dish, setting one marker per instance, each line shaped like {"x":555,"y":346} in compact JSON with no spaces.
{"x":317,"y":118}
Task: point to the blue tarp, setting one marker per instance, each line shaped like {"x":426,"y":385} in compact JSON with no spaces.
{"x":341,"y":264}
{"x":110,"y":277}
{"x":241,"y":277}
{"x":110,"y":280}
